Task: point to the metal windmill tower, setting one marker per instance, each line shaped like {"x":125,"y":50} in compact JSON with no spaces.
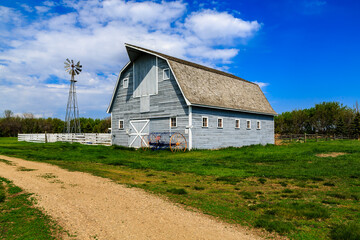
{"x":72,"y":121}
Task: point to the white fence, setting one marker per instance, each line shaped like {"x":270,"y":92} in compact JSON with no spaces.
{"x":84,"y":138}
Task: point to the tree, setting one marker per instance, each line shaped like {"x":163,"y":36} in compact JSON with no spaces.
{"x":356,"y":124}
{"x":8,"y":114}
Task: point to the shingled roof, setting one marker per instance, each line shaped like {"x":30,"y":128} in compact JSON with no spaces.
{"x":204,"y":86}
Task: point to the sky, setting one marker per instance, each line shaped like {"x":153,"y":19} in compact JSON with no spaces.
{"x":300,"y":52}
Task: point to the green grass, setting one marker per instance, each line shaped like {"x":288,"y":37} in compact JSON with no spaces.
{"x":284,"y":189}
{"x":19,"y":219}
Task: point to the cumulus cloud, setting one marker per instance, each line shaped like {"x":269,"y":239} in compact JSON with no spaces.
{"x":220,"y":26}
{"x":31,"y":63}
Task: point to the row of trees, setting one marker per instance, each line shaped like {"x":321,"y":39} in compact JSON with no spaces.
{"x":11,"y":125}
{"x":324,"y":118}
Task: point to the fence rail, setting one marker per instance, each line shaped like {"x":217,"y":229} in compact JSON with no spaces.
{"x":84,"y":138}
{"x":317,"y":137}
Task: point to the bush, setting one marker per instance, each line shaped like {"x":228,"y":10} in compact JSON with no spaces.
{"x":345,"y":231}
{"x":198,"y":188}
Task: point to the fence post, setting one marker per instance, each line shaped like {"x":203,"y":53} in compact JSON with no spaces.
{"x":291,"y":138}
{"x":45,"y":137}
{"x":305,"y":138}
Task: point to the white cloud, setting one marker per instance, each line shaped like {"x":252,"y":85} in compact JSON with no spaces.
{"x":27,"y":7}
{"x":42,"y":9}
{"x":220,"y":26}
{"x":94,"y":32}
{"x":262,"y":85}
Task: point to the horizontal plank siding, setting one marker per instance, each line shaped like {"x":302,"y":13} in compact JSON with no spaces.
{"x":213,"y":137}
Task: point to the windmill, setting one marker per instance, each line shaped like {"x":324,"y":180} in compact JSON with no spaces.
{"x":72,"y":121}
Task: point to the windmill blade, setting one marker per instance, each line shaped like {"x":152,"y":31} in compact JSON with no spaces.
{"x":68,"y":60}
{"x":77,"y":72}
{"x":78,"y":63}
{"x":80,"y":66}
{"x":66,"y":63}
{"x":79,"y":69}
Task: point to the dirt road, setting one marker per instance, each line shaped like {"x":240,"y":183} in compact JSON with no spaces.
{"x":96,"y":208}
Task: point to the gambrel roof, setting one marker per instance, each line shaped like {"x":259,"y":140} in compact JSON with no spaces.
{"x":207,"y":87}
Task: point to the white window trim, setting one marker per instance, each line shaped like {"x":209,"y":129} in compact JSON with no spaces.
{"x":202,"y":121}
{"x":127,"y":82}
{"x":175,"y":122}
{"x":123,"y":123}
{"x":258,"y":125}
{"x":239,"y":123}
{"x":247,"y":124}
{"x":222,"y":123}
{"x":164,"y":73}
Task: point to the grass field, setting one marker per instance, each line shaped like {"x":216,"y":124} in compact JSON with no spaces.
{"x":18,"y":217}
{"x":284,"y":189}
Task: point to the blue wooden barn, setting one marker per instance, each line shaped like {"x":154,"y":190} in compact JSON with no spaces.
{"x":210,"y":108}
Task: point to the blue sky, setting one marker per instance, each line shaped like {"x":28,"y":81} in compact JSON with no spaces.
{"x":300,"y":52}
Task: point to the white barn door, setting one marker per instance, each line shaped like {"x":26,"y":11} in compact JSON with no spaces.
{"x":138,"y":129}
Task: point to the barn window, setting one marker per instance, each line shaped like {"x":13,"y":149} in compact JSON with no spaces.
{"x":248,"y":124}
{"x":121,"y":124}
{"x":237,"y":123}
{"x":205,"y":121}
{"x":173,"y":122}
{"x":166,"y":74}
{"x":220,"y":123}
{"x":258,"y":125}
{"x":126,"y":83}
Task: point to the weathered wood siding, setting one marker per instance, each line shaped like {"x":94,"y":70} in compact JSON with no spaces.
{"x":214,"y":137}
{"x":168,"y":102}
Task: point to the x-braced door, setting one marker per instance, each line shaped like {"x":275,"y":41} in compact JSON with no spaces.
{"x":138,"y":129}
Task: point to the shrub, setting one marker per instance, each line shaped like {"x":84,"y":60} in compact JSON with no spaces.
{"x":345,"y":231}
{"x":329,"y":184}
{"x":179,"y":191}
{"x":198,"y":188}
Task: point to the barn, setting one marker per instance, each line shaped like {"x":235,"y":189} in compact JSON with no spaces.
{"x":155,"y":92}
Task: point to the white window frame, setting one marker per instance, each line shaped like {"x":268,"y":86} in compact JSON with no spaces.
{"x":248,"y":126}
{"x":207,"y":121}
{"x":175,"y":122}
{"x":258,"y":125}
{"x":222,"y":123}
{"x":123,"y":123}
{"x":127,"y":82}
{"x":237,"y":126}
{"x":166,"y":69}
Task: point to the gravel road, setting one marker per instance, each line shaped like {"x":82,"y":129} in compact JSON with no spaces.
{"x":91,"y":207}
